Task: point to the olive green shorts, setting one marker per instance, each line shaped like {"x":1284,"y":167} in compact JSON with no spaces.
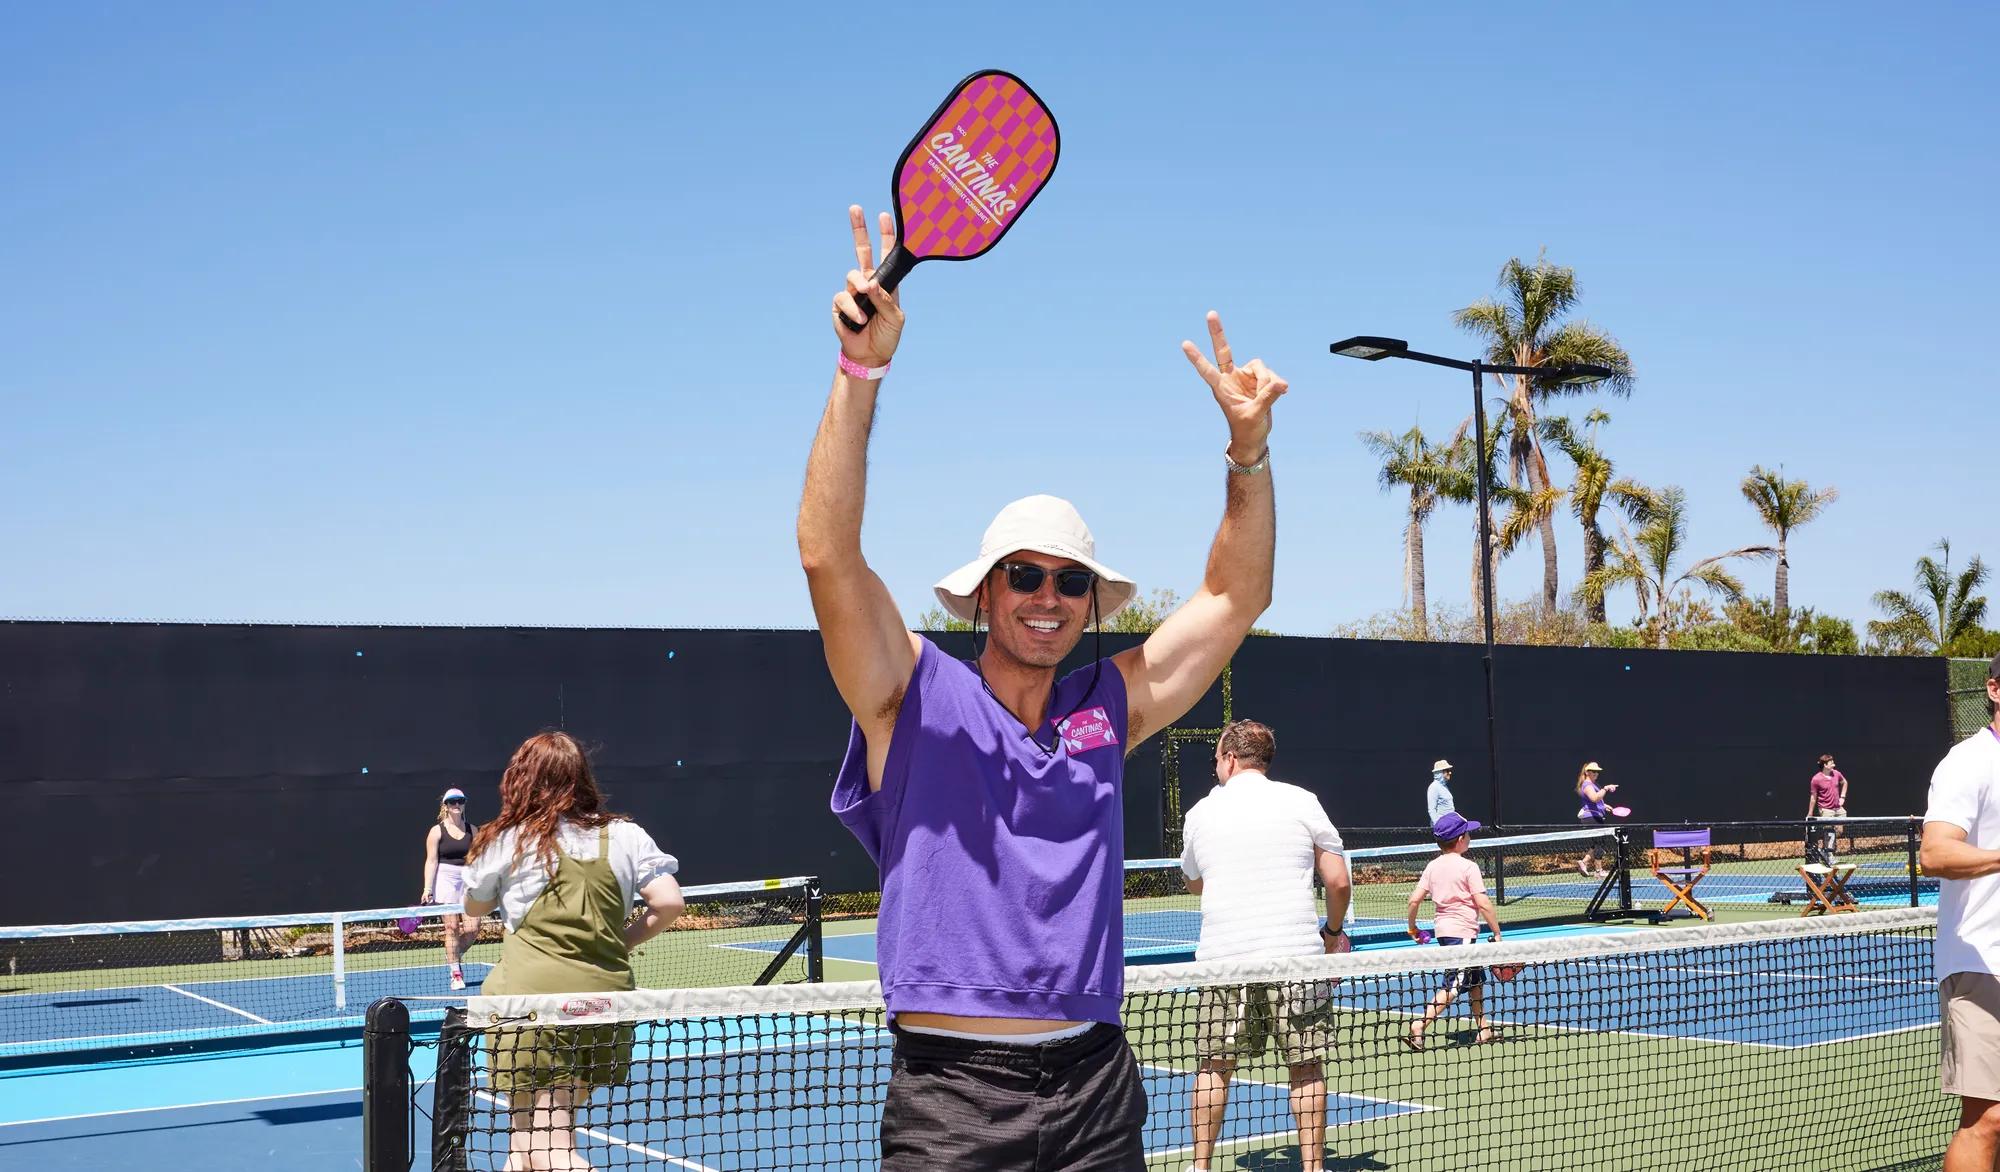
{"x":1241,"y":1021}
{"x":525,"y":1060}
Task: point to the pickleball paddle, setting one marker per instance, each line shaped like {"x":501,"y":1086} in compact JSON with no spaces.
{"x":1505,"y":972}
{"x":967,"y":176}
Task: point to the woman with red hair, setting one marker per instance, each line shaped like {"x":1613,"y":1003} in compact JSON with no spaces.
{"x":564,"y":872}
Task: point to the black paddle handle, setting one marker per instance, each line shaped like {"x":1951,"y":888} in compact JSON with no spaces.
{"x":889,"y":274}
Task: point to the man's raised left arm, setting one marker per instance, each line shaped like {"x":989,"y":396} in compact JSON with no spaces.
{"x":1166,"y":674}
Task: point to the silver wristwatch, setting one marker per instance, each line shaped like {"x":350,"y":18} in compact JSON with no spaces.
{"x":1263,"y":462}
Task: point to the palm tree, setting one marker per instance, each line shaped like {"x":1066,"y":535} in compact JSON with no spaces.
{"x":1784,"y":505}
{"x":1460,"y":484}
{"x":1526,"y":329}
{"x":1947,"y":610}
{"x":1410,"y":461}
{"x":1594,"y":487}
{"x":1646,"y":563}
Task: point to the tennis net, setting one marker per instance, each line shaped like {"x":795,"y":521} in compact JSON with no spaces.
{"x":1743,"y":1046}
{"x":1556,"y":877}
{"x":67,"y":990}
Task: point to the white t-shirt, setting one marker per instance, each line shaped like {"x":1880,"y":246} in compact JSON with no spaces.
{"x":1965,"y":792}
{"x":1250,"y":841}
{"x":635,"y":859}
{"x":1438,"y":799}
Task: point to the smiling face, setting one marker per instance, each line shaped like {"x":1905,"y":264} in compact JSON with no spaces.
{"x":1039,"y":629}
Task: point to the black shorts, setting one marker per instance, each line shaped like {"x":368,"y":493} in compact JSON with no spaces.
{"x":1457,"y":979}
{"x":1074,"y":1104}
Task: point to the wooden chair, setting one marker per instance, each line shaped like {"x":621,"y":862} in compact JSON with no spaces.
{"x":1672,"y":860}
{"x":1826,"y":888}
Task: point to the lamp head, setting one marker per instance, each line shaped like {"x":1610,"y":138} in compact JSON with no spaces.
{"x":1369,"y":348}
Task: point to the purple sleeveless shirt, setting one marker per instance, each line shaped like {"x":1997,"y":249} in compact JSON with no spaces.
{"x":1003,"y":872}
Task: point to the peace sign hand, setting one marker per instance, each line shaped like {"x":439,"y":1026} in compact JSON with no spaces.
{"x":875,"y":343}
{"x":1245,"y":393}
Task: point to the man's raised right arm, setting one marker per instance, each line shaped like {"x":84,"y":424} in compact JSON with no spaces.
{"x":868,"y":649}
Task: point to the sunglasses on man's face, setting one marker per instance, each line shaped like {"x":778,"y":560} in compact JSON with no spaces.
{"x":1023,"y":578}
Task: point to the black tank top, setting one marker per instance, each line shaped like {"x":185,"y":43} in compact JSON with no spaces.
{"x":452,"y":850}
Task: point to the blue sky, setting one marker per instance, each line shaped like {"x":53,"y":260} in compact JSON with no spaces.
{"x":517,"y":315}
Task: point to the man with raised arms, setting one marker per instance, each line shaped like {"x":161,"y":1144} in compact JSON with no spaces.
{"x":988,"y":791}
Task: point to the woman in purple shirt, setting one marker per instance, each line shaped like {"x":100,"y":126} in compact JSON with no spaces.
{"x":989,"y":791}
{"x":1596,"y":809}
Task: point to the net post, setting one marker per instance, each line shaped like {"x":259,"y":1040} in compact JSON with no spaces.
{"x":815,"y":954}
{"x":340,"y":963}
{"x":1910,"y":853}
{"x":1623,"y":839}
{"x":385,"y":1087}
{"x":451,"y":1093}
{"x":1500,"y":877}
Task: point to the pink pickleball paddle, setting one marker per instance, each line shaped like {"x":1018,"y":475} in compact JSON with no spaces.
{"x":968,"y":175}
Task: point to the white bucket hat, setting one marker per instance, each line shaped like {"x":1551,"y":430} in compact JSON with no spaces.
{"x":1036,"y":524}
{"x":1440,"y":765}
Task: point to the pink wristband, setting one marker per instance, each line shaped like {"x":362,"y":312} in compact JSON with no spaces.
{"x":853,"y":369}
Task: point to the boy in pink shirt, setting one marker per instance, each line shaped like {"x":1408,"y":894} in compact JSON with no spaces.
{"x":1453,"y":883}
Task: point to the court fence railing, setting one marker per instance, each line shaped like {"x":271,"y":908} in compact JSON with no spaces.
{"x":210,"y":984}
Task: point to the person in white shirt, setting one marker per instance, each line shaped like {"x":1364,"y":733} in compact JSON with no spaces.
{"x":1437,"y":799}
{"x":1252,"y":846}
{"x":1962,"y":849}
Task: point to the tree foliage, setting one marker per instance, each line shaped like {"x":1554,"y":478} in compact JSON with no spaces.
{"x":1650,"y":563}
{"x":1784,"y":505}
{"x":1944,"y":609}
{"x":1526,"y":326}
{"x":1430,"y":473}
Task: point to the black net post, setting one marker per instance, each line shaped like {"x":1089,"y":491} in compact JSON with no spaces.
{"x":1623,"y":839}
{"x":451,"y":1094}
{"x":1910,"y":854}
{"x":815,"y":907}
{"x":385,"y":1088}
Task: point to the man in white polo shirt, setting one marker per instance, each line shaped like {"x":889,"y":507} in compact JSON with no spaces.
{"x":1962,"y":850}
{"x":1252,"y":848}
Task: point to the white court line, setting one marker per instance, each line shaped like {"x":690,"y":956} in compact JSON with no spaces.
{"x":1413,"y":1109}
{"x":1759,"y":974}
{"x":1286,"y":1086}
{"x":500,"y":1100}
{"x":1929,"y":1025}
{"x":180,"y":1106}
{"x":220,"y":1005}
{"x":326,"y":976}
{"x":1520,"y":1024}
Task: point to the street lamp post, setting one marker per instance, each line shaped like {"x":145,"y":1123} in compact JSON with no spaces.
{"x":1374,"y":349}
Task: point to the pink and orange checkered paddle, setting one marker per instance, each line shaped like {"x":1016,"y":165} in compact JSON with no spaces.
{"x":966,"y":177}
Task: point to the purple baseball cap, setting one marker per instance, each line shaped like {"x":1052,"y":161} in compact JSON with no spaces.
{"x":1451,"y":826}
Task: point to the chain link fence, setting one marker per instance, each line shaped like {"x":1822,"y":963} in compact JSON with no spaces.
{"x":1970,"y":711}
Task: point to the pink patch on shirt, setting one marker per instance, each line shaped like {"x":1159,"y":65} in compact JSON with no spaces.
{"x":1086,"y":730}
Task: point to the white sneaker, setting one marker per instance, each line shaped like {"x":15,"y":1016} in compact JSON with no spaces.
{"x":457,"y":981}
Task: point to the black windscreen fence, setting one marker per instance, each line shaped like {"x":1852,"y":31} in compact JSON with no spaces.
{"x":154,"y":771}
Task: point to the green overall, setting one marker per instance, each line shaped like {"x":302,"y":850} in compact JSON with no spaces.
{"x":571,"y":941}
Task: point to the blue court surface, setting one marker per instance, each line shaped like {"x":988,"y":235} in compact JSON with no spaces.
{"x":299,"y":1107}
{"x":134,"y":1015}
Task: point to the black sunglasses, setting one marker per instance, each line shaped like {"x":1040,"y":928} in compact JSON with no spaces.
{"x":454,"y":801}
{"x":1071,"y":582}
